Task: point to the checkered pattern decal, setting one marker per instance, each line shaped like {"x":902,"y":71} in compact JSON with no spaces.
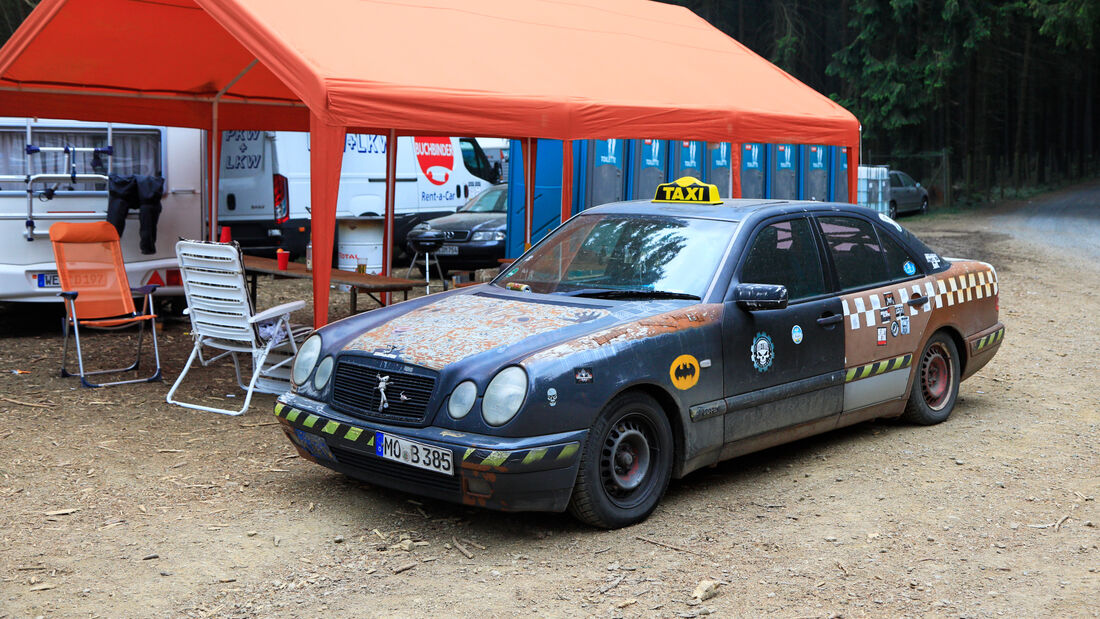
{"x":944,"y":291}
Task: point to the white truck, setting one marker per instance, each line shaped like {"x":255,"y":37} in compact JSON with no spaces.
{"x":264,"y":194}
{"x":70,"y":186}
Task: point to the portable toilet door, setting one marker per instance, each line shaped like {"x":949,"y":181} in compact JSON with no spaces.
{"x":753,"y":170}
{"x":718,"y":172}
{"x":546,"y":214}
{"x":649,"y":168}
{"x":784,"y":172}
{"x":604,"y":179}
{"x":838,"y":174}
{"x":688,"y":159}
{"x":815,"y":172}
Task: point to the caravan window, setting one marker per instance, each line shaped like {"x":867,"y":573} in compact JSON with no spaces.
{"x":135,"y":152}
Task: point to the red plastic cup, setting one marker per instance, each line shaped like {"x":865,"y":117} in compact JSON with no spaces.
{"x":226,"y":235}
{"x":284,"y":258}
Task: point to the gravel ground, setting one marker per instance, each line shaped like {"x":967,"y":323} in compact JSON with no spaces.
{"x":116,"y":504}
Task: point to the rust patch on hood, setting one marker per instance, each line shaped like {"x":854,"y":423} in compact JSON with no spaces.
{"x":650,"y":326}
{"x":457,"y":327}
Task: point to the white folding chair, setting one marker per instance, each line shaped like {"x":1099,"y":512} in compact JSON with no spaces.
{"x":222,"y":319}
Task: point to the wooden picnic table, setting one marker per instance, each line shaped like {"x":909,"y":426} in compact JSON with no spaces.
{"x":367,"y":282}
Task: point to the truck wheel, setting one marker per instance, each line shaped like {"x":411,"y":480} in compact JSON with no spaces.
{"x":626,"y":463}
{"x":936,"y":386}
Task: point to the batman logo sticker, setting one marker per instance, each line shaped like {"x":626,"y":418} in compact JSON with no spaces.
{"x":684,"y":372}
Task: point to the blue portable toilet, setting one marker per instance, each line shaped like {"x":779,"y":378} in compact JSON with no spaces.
{"x":603,"y":178}
{"x":688,"y":159}
{"x":649,"y":168}
{"x":718,"y":172}
{"x":546,"y":214}
{"x":815,"y":172}
{"x":753,"y":176}
{"x":838,"y":174}
{"x":783,"y":168}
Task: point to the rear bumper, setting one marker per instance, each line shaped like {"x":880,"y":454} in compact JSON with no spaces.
{"x":19,"y":282}
{"x":981,"y":347}
{"x":525,"y":474}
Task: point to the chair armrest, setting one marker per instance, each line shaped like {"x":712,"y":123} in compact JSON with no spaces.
{"x":145,"y":289}
{"x":277,"y":311}
{"x":68,"y":294}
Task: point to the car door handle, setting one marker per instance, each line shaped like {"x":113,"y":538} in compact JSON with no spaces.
{"x":915,"y":301}
{"x":831,"y":319}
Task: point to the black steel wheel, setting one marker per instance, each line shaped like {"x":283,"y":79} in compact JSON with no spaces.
{"x":936,"y":386}
{"x":626,"y":464}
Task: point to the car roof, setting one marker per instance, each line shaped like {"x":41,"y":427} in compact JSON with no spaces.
{"x":731,"y":209}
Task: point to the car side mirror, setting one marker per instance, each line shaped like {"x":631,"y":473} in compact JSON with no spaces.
{"x":755,"y":297}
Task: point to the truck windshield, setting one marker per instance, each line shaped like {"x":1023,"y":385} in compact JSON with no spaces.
{"x":660,"y":255}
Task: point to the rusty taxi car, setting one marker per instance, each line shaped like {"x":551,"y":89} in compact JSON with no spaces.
{"x":641,"y":341}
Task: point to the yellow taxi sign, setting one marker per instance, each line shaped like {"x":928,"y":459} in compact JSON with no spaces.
{"x":687,"y":189}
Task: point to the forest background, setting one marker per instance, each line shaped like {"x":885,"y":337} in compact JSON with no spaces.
{"x":977,"y":99}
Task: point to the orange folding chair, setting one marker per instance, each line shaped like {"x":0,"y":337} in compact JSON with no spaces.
{"x":97,"y":293}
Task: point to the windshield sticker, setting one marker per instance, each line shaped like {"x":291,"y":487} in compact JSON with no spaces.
{"x":887,"y":219}
{"x":796,"y":334}
{"x":512,"y":271}
{"x":909,"y":268}
{"x":763,"y":352}
{"x":684,"y":372}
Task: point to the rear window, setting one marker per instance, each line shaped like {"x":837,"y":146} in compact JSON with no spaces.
{"x":136,"y":151}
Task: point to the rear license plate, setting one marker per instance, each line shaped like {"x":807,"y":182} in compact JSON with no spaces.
{"x":448,"y":250}
{"x":413,"y":453}
{"x":48,"y":280}
{"x":314,"y":444}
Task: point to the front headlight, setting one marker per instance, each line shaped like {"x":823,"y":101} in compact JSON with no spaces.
{"x":462,"y":399}
{"x":504,"y":396}
{"x":306,"y":359}
{"x":490,"y":235}
{"x":323,"y":373}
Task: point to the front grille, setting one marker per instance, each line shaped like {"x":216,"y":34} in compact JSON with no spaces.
{"x":396,"y":475}
{"x":408,"y":390}
{"x":456,"y":235}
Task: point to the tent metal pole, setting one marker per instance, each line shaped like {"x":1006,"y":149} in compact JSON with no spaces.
{"x":529,"y":160}
{"x":215,"y":161}
{"x":387,"y":228}
{"x":566,"y":180}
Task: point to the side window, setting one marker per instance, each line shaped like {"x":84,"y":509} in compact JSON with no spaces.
{"x":785,"y":253}
{"x":895,"y":179}
{"x":856,"y":252}
{"x":899,"y":264}
{"x":907,"y":180}
{"x":135,"y":152}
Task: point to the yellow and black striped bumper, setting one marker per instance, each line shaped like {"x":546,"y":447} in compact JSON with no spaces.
{"x":987,"y":341}
{"x":879,"y":367}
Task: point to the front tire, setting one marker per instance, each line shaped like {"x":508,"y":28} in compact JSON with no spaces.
{"x":936,"y":386}
{"x":924,"y":206}
{"x":626,"y":464}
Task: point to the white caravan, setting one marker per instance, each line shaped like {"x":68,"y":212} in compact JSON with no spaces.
{"x":72,"y":187}
{"x":264,"y":194}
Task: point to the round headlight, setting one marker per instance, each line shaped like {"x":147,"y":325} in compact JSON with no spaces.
{"x":462,"y":399}
{"x":323,"y":373}
{"x":504,"y":396}
{"x":306,"y":359}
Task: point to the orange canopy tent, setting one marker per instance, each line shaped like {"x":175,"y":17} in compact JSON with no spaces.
{"x":558,"y":69}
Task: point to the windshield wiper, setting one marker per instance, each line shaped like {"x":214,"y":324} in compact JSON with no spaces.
{"x":611,"y":293}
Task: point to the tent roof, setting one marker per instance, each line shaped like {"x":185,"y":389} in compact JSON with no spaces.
{"x":511,"y":68}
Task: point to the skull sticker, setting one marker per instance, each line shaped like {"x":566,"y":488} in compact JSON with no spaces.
{"x":551,"y":396}
{"x":763,"y":352}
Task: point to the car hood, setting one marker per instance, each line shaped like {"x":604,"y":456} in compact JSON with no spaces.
{"x":458,"y":326}
{"x":469,"y":221}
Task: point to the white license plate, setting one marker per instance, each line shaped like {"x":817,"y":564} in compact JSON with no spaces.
{"x":413,"y":453}
{"x":448,"y":250}
{"x":48,"y":280}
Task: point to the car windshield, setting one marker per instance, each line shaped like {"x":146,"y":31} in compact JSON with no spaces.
{"x":492,"y":200}
{"x":626,"y":256}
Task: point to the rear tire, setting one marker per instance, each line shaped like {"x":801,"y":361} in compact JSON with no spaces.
{"x":892,"y":210}
{"x":924,"y":206}
{"x":936,"y":386}
{"x":626,"y":463}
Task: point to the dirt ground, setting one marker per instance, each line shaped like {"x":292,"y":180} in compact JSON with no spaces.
{"x":115,"y":504}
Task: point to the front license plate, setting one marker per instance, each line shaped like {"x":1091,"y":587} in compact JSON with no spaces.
{"x":314,"y":444}
{"x":413,"y":453}
{"x":48,"y":280}
{"x":448,"y":250}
